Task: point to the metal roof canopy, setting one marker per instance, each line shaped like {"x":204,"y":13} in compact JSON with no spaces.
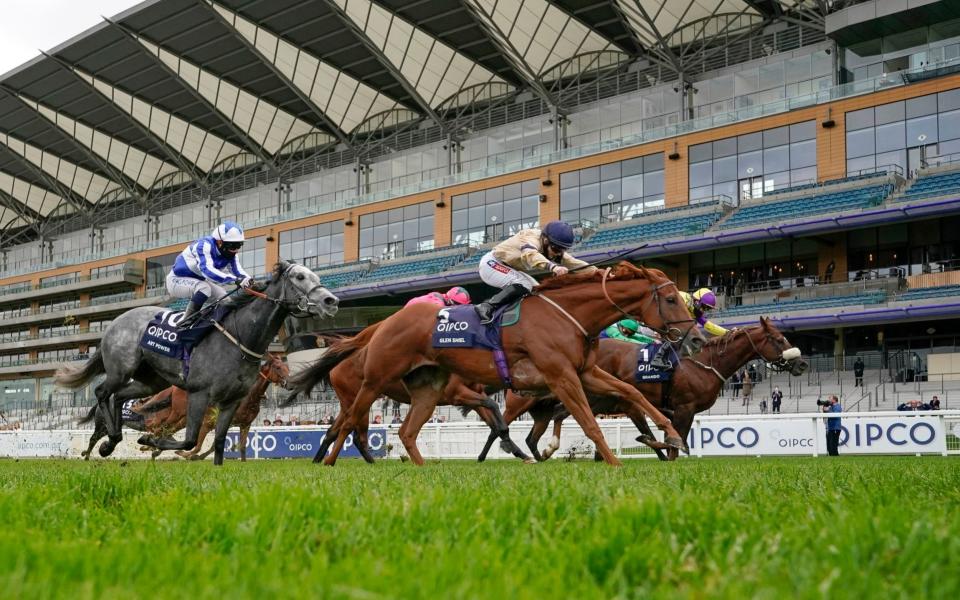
{"x":193,"y":33}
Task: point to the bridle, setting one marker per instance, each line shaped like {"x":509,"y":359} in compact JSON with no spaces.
{"x":779,"y":365}
{"x":672,"y":334}
{"x":301,"y":304}
{"x":274,"y":376}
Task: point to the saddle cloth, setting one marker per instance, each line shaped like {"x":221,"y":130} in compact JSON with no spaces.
{"x":645,"y":372}
{"x":163,"y":337}
{"x":460,"y":327}
{"x":128,"y":414}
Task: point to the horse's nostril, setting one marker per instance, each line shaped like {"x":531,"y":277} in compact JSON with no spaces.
{"x":329,"y":300}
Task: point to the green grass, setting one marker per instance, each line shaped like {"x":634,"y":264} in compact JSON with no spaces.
{"x":863,"y":527}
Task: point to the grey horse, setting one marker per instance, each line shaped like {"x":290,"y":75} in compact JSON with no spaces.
{"x":222,"y":367}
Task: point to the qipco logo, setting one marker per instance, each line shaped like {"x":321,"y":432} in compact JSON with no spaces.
{"x":163,"y":334}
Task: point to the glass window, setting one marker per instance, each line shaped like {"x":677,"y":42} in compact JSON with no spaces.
{"x":949,"y":125}
{"x":807,"y":130}
{"x":776,"y":137}
{"x":725,"y":147}
{"x":803,"y":154}
{"x":858,"y":119}
{"x":725,"y":169}
{"x":701,"y":152}
{"x":750,"y":164}
{"x":405,"y":229}
{"x":922,"y":106}
{"x":776,"y":159}
{"x":889,"y":113}
{"x":891,"y":136}
{"x":949,"y":100}
{"x":860,"y":143}
{"x":504,"y":211}
{"x":701,"y":174}
{"x":922,"y":131}
{"x":749,"y":142}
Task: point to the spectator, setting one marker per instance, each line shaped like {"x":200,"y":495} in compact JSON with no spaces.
{"x":735,"y":380}
{"x":763,"y":405}
{"x":277,"y":421}
{"x":752,"y":372}
{"x":378,"y":419}
{"x":828,"y":275}
{"x":395,"y":420}
{"x":776,"y":398}
{"x":833,"y":426}
{"x":747,"y":389}
{"x":858,"y":372}
{"x":294,"y":420}
{"x":913,"y":405}
{"x":266,"y":422}
{"x":935,"y":403}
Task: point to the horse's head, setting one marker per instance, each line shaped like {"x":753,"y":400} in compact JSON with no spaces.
{"x":301,"y":291}
{"x":275,"y":370}
{"x":665,"y":311}
{"x":774,"y":348}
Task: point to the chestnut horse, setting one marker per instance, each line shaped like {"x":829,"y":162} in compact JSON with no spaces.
{"x":346,"y":377}
{"x":697,"y":383}
{"x":552,"y":347}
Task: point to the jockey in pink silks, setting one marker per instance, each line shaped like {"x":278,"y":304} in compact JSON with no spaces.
{"x":452,"y":297}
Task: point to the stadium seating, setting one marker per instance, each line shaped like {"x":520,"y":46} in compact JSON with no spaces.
{"x":811,"y":205}
{"x":620,"y":235}
{"x":333,"y":281}
{"x":928,"y":186}
{"x":410,"y":269}
{"x":473,"y":260}
{"x":793,"y":305}
{"x":815,"y":185}
{"x":930,"y":292}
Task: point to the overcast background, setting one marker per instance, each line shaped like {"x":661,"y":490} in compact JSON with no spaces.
{"x":29,"y":26}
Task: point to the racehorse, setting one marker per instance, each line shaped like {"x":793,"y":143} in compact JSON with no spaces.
{"x":154,"y":423}
{"x":273,"y":371}
{"x":223,"y":365}
{"x":553,"y":346}
{"x":346,"y":377}
{"x":697,"y":382}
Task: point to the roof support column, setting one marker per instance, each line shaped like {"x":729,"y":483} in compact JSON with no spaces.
{"x":78,"y":202}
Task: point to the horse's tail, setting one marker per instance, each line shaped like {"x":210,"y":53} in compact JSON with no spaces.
{"x":74,"y":377}
{"x":153,"y":407}
{"x":340,"y":350}
{"x":90,"y":415}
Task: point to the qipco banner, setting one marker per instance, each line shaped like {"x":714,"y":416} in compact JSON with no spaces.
{"x":807,"y":436}
{"x":301,"y":442}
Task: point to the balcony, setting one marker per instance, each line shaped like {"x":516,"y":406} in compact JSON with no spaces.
{"x":105,"y":304}
{"x":41,"y":342}
{"x":130,"y":275}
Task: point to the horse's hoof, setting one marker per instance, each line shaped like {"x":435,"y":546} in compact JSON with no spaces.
{"x":529,"y":461}
{"x":146,"y":440}
{"x":646,"y":439}
{"x":675,"y":442}
{"x":193,"y":457}
{"x":106,"y":449}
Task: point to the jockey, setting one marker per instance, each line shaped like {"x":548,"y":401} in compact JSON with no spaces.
{"x":452,"y":297}
{"x":699,"y":304}
{"x":506,"y":266}
{"x":626,"y":330}
{"x":206,"y":265}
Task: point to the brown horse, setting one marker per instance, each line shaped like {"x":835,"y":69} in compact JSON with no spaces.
{"x":346,"y":377}
{"x":552,"y":347}
{"x":697,"y":383}
{"x":273,"y":371}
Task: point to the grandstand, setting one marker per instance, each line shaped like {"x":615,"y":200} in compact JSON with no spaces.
{"x":756,"y":149}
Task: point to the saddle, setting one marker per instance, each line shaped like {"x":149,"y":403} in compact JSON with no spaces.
{"x":460,"y":327}
{"x":164,"y":337}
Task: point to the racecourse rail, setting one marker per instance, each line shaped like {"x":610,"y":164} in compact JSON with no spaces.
{"x":882,"y":432}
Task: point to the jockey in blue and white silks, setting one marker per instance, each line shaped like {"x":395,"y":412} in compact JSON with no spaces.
{"x":206,"y":265}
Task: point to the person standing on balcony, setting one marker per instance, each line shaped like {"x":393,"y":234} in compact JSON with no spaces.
{"x":206,"y":265}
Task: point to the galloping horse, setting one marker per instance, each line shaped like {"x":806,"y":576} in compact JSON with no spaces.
{"x":274,"y":371}
{"x":553,"y":346}
{"x":223,"y":366}
{"x":697,"y":383}
{"x":346,"y":377}
{"x":156,"y":424}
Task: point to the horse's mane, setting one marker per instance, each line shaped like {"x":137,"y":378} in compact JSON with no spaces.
{"x":623,"y":271}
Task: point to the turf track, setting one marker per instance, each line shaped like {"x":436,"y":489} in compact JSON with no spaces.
{"x":850,"y":527}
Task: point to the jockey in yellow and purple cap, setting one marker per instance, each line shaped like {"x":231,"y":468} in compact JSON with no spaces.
{"x":699,"y":304}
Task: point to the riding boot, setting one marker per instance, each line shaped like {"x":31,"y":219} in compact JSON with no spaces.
{"x":661,"y":360}
{"x":486,"y":309}
{"x":193,"y":307}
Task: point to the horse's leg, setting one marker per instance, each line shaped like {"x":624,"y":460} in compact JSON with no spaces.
{"x":99,"y":430}
{"x":196,"y":410}
{"x":242,"y":441}
{"x":646,"y":436}
{"x":204,"y":430}
{"x":423,"y":402}
{"x":602,"y":384}
{"x":113,"y":419}
{"x":330,"y":436}
{"x":567,"y":387}
{"x":533,"y":438}
{"x":360,"y":440}
{"x":516,"y":405}
{"x":360,"y":409}
{"x":468,"y":397}
{"x":683,"y":418}
{"x":224,"y":420}
{"x":554,"y":444}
